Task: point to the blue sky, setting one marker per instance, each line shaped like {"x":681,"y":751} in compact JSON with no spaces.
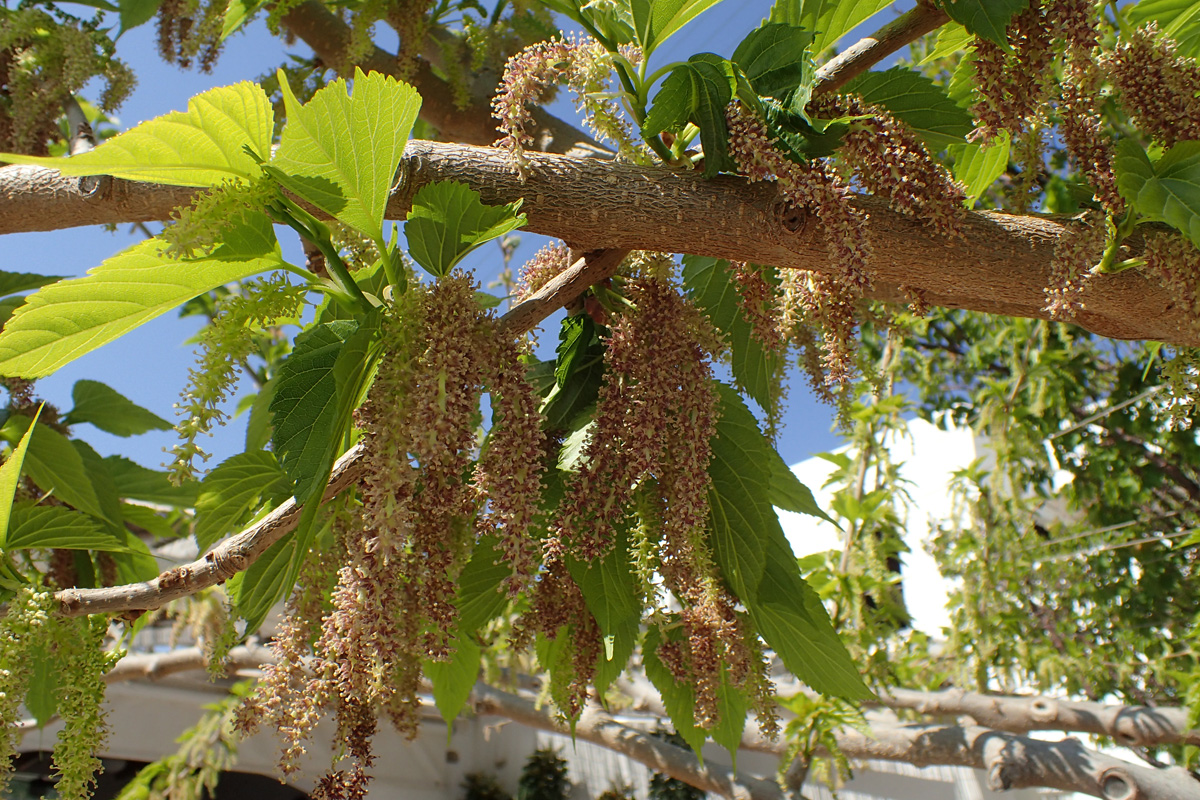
{"x":150,"y":365}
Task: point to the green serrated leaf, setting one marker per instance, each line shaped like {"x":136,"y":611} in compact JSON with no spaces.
{"x":55,"y":465}
{"x":951,"y":39}
{"x":775,"y":59}
{"x":54,"y":526}
{"x":234,"y":490}
{"x":256,"y":590}
{"x":655,"y":21}
{"x":448,"y":221}
{"x":14,"y":282}
{"x":1179,"y":19}
{"x":698,"y":92}
{"x":340,"y":152}
{"x":706,"y":281}
{"x":305,"y":406}
{"x":574,"y":337}
{"x":740,"y":509}
{"x":986,"y":18}
{"x":260,"y":424}
{"x":67,"y":319}
{"x":479,"y":596}
{"x":679,"y":699}
{"x":791,"y":619}
{"x":977,"y":166}
{"x":200,"y":147}
{"x":918,"y":102}
{"x":111,"y":411}
{"x":135,"y":482}
{"x":830,"y":20}
{"x":148,"y":520}
{"x":611,"y":592}
{"x":10,"y":476}
{"x":453,"y":680}
{"x":1167,"y":190}
{"x":787,"y":492}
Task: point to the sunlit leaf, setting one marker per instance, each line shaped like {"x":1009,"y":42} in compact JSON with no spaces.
{"x":340,"y":152}
{"x":1178,"y":19}
{"x":986,"y":18}
{"x":977,"y":166}
{"x":655,"y":21}
{"x":67,"y":319}
{"x":10,"y":476}
{"x":453,"y":680}
{"x":829,"y":20}
{"x":54,"y":526}
{"x":200,"y":147}
{"x":918,"y":102}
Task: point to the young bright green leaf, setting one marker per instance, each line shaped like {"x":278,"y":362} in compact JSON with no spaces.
{"x":200,"y":147}
{"x":655,"y":21}
{"x":231,"y":493}
{"x":951,"y":39}
{"x":1178,"y":19}
{"x":135,"y":482}
{"x":36,"y":526}
{"x":612,"y":20}
{"x":1167,"y":190}
{"x":775,"y":58}
{"x":237,"y":14}
{"x":448,"y":220}
{"x":706,"y":281}
{"x":10,"y":476}
{"x":977,"y":166}
{"x":986,"y":18}
{"x":830,"y":20}
{"x":917,"y":101}
{"x":70,"y":318}
{"x":305,"y":406}
{"x":14,"y":282}
{"x":340,"y":152}
{"x":111,"y":411}
{"x":453,"y":680}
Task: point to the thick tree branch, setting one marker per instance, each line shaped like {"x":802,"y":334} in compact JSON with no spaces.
{"x":870,"y":50}
{"x":1013,"y":761}
{"x":219,"y":565}
{"x":1001,"y":266}
{"x":329,"y":38}
{"x":156,"y":666}
{"x":1129,"y":725}
{"x":600,"y":728}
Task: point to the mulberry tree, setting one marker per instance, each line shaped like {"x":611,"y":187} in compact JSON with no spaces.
{"x":992,"y":206}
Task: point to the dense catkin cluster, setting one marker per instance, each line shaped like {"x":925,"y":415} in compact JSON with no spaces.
{"x":1077,"y":250}
{"x":655,"y":414}
{"x":1174,"y":262}
{"x":758,"y":300}
{"x":392,"y":604}
{"x":82,"y":662}
{"x":1156,"y":86}
{"x":44,"y":61}
{"x":530,"y":75}
{"x":225,"y":345}
{"x":1014,"y":84}
{"x":545,"y":264}
{"x":190,"y":30}
{"x":816,"y":188}
{"x":890,"y":161}
{"x":24,"y":628}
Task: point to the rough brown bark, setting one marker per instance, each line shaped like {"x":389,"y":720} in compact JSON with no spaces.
{"x":1001,"y":266}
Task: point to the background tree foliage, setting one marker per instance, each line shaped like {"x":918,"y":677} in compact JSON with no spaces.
{"x":614,"y":508}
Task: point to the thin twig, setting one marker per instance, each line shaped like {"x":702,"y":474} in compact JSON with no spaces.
{"x":870,"y":50}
